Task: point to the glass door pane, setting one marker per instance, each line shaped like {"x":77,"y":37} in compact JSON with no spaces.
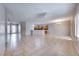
{"x":2,"y":38}
{"x":8,"y":29}
{"x":13,"y":29}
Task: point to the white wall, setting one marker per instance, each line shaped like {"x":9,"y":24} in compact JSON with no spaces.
{"x":28,"y":28}
{"x":76,"y":39}
{"x":2,"y":29}
{"x":59,"y":29}
{"x":2,"y":14}
{"x":77,"y":25}
{"x":77,"y":22}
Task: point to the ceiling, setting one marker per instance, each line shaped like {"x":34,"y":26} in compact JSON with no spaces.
{"x":38,"y":12}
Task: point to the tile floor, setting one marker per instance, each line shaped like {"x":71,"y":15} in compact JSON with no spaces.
{"x":42,"y":46}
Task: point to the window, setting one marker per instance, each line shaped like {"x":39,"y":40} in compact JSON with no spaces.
{"x":2,"y":32}
{"x":8,"y":27}
{"x":2,"y":29}
{"x":14,"y":28}
{"x":19,"y":28}
{"x":13,"y":33}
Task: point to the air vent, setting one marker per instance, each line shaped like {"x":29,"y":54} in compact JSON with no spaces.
{"x":41,"y":15}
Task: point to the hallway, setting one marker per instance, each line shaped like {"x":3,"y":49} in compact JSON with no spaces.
{"x":39,"y":29}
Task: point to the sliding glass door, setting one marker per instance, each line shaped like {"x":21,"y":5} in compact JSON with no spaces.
{"x":2,"y":38}
{"x":13,"y":34}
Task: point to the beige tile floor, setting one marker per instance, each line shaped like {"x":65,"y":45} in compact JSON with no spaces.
{"x":42,"y":46}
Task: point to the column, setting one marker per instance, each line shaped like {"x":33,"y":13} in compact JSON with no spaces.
{"x":23,"y":30}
